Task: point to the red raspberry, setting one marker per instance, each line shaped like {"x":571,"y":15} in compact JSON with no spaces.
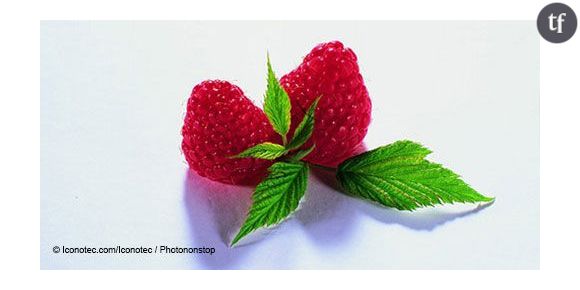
{"x":330,"y":71}
{"x":221,"y":122}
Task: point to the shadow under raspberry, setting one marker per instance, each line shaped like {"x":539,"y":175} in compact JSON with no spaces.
{"x":326,"y":215}
{"x":215,"y":212}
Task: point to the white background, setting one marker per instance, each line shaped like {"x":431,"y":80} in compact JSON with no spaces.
{"x":20,"y":154}
{"x":112,"y":173}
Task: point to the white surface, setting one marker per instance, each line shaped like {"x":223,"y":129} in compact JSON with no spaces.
{"x":112,"y":101}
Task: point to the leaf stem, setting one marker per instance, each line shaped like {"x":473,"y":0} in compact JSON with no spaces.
{"x":284,"y":140}
{"x":325,"y":168}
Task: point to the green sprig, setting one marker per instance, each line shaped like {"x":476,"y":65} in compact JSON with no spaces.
{"x":396,"y":175}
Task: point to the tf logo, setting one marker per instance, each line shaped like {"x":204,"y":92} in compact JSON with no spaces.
{"x":557,"y":22}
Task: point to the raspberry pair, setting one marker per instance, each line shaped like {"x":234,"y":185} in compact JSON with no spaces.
{"x":221,"y":121}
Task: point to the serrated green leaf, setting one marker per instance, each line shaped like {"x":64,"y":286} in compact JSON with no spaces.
{"x":276,"y":197}
{"x":397,"y":175}
{"x":264,"y":150}
{"x":277,"y":104}
{"x":301,"y":154}
{"x":305,"y":128}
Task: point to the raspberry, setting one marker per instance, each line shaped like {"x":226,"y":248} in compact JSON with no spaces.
{"x":343,"y":114}
{"x":221,"y":122}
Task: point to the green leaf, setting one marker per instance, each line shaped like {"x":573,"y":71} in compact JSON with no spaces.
{"x":301,"y":154}
{"x":264,"y":150}
{"x":304,"y":129}
{"x":276,"y":197}
{"x":277,"y":104}
{"x":397,"y":175}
